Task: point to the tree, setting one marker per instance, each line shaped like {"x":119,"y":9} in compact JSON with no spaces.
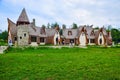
{"x":74,"y":26}
{"x":63,"y":26}
{"x":61,"y":32}
{"x":4,"y":35}
{"x":109,"y":27}
{"x":53,"y":25}
{"x":115,"y":35}
{"x":48,"y":25}
{"x":43,"y":26}
{"x":96,"y":27}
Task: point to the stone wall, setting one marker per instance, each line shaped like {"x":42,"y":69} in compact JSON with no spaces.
{"x":22,"y":35}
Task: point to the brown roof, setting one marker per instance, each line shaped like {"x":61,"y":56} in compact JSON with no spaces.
{"x":74,"y":33}
{"x":23,"y":16}
{"x":39,"y":31}
{"x":12,"y":27}
{"x":50,"y":32}
{"x":89,"y":31}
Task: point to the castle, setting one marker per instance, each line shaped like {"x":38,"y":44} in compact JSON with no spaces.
{"x":24,"y":32}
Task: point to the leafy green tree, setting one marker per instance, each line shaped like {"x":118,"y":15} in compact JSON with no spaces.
{"x":53,"y":25}
{"x":115,"y":35}
{"x":61,"y":32}
{"x":74,"y":26}
{"x":63,"y":26}
{"x":48,"y":25}
{"x":43,"y":26}
{"x":96,"y":27}
{"x":4,"y":35}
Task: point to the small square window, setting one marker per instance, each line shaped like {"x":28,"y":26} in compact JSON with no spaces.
{"x":20,"y":37}
{"x":24,"y":34}
{"x":15,"y":38}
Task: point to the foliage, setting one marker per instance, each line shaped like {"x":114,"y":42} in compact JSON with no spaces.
{"x":40,"y":63}
{"x":3,"y":43}
{"x":53,"y":25}
{"x":43,"y":26}
{"x":96,"y":27}
{"x":74,"y":26}
{"x":4,"y":35}
{"x":48,"y":25}
{"x":115,"y":35}
{"x":3,"y":38}
{"x":61,"y":32}
{"x":63,"y":26}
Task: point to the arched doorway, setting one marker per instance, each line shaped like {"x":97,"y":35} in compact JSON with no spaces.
{"x":100,"y":41}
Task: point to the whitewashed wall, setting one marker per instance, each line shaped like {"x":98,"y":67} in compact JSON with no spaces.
{"x":82,"y":39}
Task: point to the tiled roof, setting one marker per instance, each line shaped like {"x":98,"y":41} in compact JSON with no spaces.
{"x":36,"y":31}
{"x":23,"y":16}
{"x":50,"y":32}
{"x":74,"y":33}
{"x":12,"y":27}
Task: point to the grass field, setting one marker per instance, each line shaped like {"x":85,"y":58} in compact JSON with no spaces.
{"x":60,"y":64}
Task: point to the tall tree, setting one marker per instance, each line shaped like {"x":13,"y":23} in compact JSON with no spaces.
{"x":43,"y":26}
{"x":53,"y":25}
{"x":48,"y":25}
{"x":115,"y":35}
{"x":63,"y":26}
{"x":109,"y":27}
{"x":74,"y":26}
{"x":4,"y":35}
{"x":96,"y":27}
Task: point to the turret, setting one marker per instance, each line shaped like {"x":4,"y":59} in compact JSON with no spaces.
{"x":23,"y":18}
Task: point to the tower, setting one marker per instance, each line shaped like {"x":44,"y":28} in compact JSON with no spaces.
{"x":23,"y":29}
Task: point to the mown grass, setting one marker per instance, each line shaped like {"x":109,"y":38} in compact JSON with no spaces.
{"x":60,"y":64}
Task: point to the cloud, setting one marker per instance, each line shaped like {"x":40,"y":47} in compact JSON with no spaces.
{"x":96,"y":12}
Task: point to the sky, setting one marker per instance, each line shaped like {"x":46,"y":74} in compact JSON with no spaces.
{"x":81,"y":12}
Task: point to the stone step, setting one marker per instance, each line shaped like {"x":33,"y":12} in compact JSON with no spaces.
{"x":2,"y":48}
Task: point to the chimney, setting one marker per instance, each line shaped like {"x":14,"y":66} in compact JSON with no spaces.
{"x":34,"y":22}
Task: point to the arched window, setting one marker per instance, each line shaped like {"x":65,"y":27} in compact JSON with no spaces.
{"x":69,"y":32}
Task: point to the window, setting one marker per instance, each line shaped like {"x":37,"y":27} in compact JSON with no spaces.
{"x":24,"y":34}
{"x":20,"y":37}
{"x":42,"y":39}
{"x":92,"y":40}
{"x":33,"y":38}
{"x":15,"y":38}
{"x":69,"y":32}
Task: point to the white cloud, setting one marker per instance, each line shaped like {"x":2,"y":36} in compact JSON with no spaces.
{"x":94,"y":12}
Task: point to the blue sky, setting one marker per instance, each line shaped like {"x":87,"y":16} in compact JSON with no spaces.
{"x":96,"y":12}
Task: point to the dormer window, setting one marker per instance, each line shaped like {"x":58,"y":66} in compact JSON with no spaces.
{"x":69,"y":32}
{"x":92,"y":33}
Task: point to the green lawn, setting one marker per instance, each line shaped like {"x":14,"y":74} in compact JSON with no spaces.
{"x":60,"y":64}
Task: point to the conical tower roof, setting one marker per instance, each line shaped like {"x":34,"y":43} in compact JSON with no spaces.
{"x":23,"y":17}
